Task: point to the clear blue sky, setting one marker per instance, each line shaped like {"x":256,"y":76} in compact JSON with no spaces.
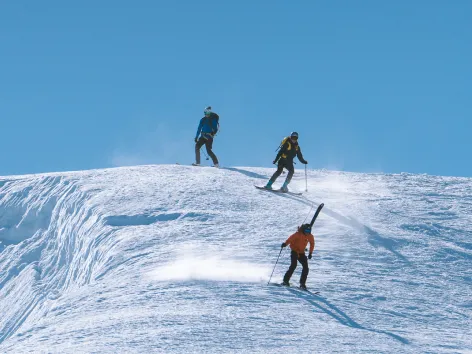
{"x":371,"y":86}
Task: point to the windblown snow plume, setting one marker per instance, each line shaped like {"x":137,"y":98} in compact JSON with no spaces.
{"x":199,"y":264}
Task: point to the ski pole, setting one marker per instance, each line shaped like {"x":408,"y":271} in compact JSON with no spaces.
{"x":306,"y":181}
{"x":275,"y":265}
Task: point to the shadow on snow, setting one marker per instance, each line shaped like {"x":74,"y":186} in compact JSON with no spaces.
{"x":339,"y":315}
{"x":244,"y":172}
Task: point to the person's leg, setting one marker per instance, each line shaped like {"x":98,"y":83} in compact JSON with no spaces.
{"x":291,"y":171}
{"x":198,"y":146}
{"x":209,"y":147}
{"x":304,"y":262}
{"x":293,"y":266}
{"x":280,"y":168}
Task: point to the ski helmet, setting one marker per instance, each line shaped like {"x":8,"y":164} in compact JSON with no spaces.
{"x":207,"y":110}
{"x":294,"y":135}
{"x":306,"y":228}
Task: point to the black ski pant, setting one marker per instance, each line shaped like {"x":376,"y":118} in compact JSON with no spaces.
{"x":283,"y":163}
{"x":208,"y":142}
{"x":294,"y":257}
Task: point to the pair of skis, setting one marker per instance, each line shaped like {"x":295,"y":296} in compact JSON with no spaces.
{"x":277,"y":190}
{"x":315,"y":293}
{"x":195,"y":165}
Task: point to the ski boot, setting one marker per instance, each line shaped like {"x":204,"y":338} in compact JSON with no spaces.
{"x":303,"y":287}
{"x":284,"y":187}
{"x":268,"y":185}
{"x":286,"y":283}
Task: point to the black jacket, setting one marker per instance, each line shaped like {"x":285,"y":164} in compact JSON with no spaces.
{"x":289,"y":150}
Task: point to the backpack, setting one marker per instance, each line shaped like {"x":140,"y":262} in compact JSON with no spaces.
{"x":286,"y":140}
{"x":289,"y":146}
{"x":212,"y":118}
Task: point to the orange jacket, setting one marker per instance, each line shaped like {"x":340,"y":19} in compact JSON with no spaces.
{"x":299,"y":240}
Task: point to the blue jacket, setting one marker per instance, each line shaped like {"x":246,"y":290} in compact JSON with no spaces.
{"x":208,"y":125}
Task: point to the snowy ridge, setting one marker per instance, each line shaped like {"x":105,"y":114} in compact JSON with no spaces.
{"x":48,"y":220}
{"x":176,"y":258}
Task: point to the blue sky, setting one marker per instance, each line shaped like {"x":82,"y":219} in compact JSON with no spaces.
{"x":371,"y":86}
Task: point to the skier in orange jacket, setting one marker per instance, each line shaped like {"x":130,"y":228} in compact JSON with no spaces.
{"x":297,"y":242}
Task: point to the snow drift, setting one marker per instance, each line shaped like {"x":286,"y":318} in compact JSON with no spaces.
{"x":176,"y":258}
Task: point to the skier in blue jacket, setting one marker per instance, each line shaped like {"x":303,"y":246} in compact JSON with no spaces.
{"x":206,"y":131}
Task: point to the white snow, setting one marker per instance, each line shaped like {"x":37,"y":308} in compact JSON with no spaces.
{"x":169,"y":258}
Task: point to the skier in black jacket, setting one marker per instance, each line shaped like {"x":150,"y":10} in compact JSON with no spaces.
{"x":284,"y":159}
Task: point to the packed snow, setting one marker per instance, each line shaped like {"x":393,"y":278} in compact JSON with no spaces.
{"x":174,"y":259}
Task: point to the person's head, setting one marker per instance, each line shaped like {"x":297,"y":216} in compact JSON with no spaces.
{"x":207,"y":111}
{"x":305,"y":228}
{"x":294,"y":136}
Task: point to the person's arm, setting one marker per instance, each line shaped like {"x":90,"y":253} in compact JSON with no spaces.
{"x":288,"y":241}
{"x":300,"y":156}
{"x":312,"y":245}
{"x":199,"y":130}
{"x":281,"y":152}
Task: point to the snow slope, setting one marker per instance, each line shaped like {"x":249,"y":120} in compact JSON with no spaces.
{"x":176,"y":259}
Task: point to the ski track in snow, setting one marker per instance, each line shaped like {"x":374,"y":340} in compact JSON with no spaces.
{"x":176,"y":259}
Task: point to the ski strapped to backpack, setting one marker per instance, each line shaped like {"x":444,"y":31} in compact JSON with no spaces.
{"x":318,"y":210}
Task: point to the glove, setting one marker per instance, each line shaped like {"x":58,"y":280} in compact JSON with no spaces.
{"x":283,"y":245}
{"x":309,"y":256}
{"x":274,"y":162}
{"x":305,"y":162}
{"x":196,"y":140}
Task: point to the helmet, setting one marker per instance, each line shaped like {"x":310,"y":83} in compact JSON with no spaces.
{"x":306,"y":228}
{"x":207,"y":110}
{"x":294,"y":135}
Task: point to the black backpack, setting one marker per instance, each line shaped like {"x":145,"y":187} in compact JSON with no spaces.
{"x":212,"y":118}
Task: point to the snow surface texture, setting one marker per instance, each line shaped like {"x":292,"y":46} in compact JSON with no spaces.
{"x":176,"y":259}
